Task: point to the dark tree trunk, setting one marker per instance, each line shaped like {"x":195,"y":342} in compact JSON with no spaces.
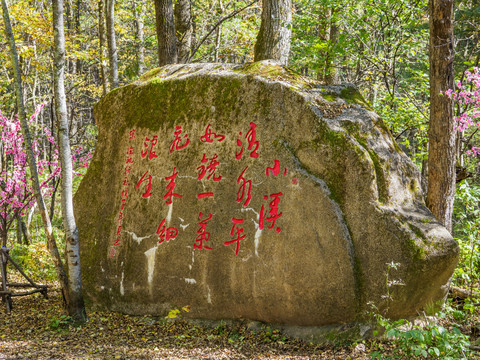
{"x":184,"y":28}
{"x":75,"y":305}
{"x":112,"y":44}
{"x":167,"y":40}
{"x":441,"y":134}
{"x":273,"y":40}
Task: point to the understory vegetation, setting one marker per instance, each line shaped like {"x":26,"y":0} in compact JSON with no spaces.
{"x":380,"y":46}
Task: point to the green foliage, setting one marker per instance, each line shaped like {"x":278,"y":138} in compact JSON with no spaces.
{"x":431,"y":341}
{"x":34,"y":259}
{"x":57,"y":323}
{"x":467,"y":233}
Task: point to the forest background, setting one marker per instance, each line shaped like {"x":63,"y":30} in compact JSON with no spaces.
{"x":381,"y":46}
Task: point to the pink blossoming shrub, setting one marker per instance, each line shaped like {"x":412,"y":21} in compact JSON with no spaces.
{"x":468,"y":97}
{"x":16,"y":191}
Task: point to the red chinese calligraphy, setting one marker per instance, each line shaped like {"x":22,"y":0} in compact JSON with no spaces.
{"x":171,"y":187}
{"x":210,"y":168}
{"x":166,"y":234}
{"x":175,"y":145}
{"x":148,"y":187}
{"x":273,"y":212}
{"x":275,"y":170}
{"x":207,"y":137}
{"x":236,"y":231}
{"x":149,"y":148}
{"x":132,"y":134}
{"x":203,"y":235}
{"x":245,"y":189}
{"x":204,"y":195}
{"x":252,"y":143}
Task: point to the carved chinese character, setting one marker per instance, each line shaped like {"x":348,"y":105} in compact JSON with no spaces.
{"x":132,"y":134}
{"x":148,"y":187}
{"x":210,"y":168}
{"x":238,"y":232}
{"x":207,"y":137}
{"x":273,"y":212}
{"x":170,"y":188}
{"x":203,"y":236}
{"x":252,"y":142}
{"x":245,"y":189}
{"x":175,"y":145}
{"x":166,"y":234}
{"x":275,"y":170}
{"x":149,"y":148}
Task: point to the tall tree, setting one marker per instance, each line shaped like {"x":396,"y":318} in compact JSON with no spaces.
{"x":76,"y":308}
{"x":167,"y":40}
{"x":112,"y":44}
{"x":184,"y":28}
{"x":139,"y":12}
{"x":101,"y":38}
{"x":273,"y":40}
{"x":51,"y":243}
{"x":441,"y":133}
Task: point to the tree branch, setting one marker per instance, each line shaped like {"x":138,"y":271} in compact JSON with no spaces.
{"x":216,"y":26}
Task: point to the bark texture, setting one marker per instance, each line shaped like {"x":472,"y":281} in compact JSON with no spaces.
{"x":139,"y":11}
{"x":51,"y":243}
{"x":112,"y":44}
{"x":167,"y":40}
{"x":75,"y":306}
{"x":273,"y":40}
{"x":184,"y":27}
{"x":441,"y":133}
{"x":329,"y":32}
{"x":101,"y":37}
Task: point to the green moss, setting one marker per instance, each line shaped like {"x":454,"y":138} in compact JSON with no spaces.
{"x":417,"y":231}
{"x":275,"y":72}
{"x":329,"y":97}
{"x":353,"y":96}
{"x":380,"y":175}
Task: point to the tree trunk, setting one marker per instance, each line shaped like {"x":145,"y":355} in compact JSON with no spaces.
{"x":328,"y":31}
{"x":273,"y":40}
{"x":75,"y":306}
{"x":167,"y":40}
{"x":184,"y":28}
{"x":112,"y":45}
{"x":26,"y":233}
{"x":139,"y":12}
{"x":441,"y":134}
{"x":101,"y":38}
{"x":51,"y":243}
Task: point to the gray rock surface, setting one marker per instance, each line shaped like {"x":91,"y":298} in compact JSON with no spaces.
{"x":160,"y":219}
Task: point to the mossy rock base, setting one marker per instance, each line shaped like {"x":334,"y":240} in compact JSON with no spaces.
{"x":281,"y":201}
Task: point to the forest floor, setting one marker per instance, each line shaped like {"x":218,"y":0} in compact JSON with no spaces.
{"x":38,"y":329}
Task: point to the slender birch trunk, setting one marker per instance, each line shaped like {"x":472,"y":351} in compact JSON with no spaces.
{"x":101,"y":38}
{"x":51,"y":243}
{"x":139,"y":13}
{"x":112,"y":44}
{"x":76,"y":308}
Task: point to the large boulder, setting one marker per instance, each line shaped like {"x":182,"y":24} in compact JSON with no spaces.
{"x":248,"y":192}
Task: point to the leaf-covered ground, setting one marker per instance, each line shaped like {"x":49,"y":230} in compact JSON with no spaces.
{"x":38,"y":329}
